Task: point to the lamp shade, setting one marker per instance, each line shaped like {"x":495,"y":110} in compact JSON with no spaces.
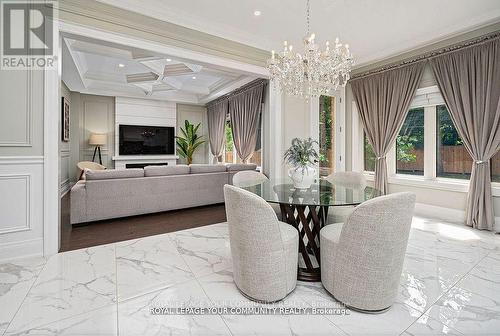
{"x":97,"y":139}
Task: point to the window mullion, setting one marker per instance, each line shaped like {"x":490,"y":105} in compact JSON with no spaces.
{"x":430,"y":137}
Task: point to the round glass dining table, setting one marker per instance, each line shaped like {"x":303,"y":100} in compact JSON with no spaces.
{"x":307,"y":211}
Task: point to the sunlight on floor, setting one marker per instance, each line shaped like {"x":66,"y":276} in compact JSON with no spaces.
{"x":446,"y":230}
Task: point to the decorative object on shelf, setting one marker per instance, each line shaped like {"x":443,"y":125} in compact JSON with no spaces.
{"x":314,"y":73}
{"x":302,"y":156}
{"x":189,"y":142}
{"x":97,"y":140}
{"x":65,"y":120}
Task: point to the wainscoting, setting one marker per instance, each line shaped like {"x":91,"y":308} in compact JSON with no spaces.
{"x":21,"y":224}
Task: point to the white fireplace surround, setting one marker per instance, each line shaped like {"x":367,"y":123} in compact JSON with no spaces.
{"x":143,"y":112}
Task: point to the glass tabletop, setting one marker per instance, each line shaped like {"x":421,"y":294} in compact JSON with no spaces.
{"x":322,"y":193}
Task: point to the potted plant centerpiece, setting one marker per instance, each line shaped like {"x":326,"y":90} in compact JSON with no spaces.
{"x":302,"y":156}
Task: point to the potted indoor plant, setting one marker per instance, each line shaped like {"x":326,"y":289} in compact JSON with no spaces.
{"x":302,"y":156}
{"x":189,"y":142}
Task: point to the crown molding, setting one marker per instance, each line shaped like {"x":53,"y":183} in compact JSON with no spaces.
{"x":416,"y":52}
{"x":102,"y":16}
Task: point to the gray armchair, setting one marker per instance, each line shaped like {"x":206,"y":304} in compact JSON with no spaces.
{"x":348,"y":179}
{"x":246,"y":178}
{"x":362,"y":260}
{"x":264,"y":250}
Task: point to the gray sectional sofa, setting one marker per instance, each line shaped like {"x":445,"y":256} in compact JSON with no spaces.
{"x":112,"y":193}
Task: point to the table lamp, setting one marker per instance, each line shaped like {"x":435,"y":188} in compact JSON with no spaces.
{"x":97,"y":140}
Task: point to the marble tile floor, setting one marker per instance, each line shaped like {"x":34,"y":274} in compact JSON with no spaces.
{"x":450,"y":286}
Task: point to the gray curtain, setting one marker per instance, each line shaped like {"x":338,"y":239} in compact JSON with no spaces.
{"x":469,"y":80}
{"x":216,"y":115}
{"x":383,"y":100}
{"x":244,"y":111}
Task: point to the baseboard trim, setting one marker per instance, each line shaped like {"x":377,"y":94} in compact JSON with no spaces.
{"x":65,"y":187}
{"x":21,"y":249}
{"x":446,"y":214}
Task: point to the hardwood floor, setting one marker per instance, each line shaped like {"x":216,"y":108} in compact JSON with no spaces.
{"x":120,"y":229}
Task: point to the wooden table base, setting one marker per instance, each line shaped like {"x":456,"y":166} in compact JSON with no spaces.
{"x":308,"y":220}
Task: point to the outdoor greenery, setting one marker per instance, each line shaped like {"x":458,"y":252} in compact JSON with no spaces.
{"x":301,"y":153}
{"x":411,"y":136}
{"x":326,"y":128}
{"x":189,"y":142}
{"x":448,"y":135}
{"x":229,"y":136}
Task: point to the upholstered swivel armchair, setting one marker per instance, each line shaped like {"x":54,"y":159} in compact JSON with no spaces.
{"x":264,"y":250}
{"x":246,"y":178}
{"x":362,"y":260}
{"x":348,"y":179}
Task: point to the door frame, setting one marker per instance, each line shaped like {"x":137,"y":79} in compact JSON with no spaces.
{"x":52,"y":80}
{"x":339,"y":126}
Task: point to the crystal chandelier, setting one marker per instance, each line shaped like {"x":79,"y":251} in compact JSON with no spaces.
{"x":315,"y":72}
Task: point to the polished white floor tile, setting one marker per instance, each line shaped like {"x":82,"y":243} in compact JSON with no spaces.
{"x":71,"y":283}
{"x":100,"y":322}
{"x":468,"y":312}
{"x":292,"y":325}
{"x":392,"y":322}
{"x":426,"y":326}
{"x":149,"y":264}
{"x":16,"y":278}
{"x":450,"y":286}
{"x":205,"y":250}
{"x":135,"y":316}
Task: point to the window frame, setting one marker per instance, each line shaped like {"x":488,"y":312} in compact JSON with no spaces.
{"x":428,"y":98}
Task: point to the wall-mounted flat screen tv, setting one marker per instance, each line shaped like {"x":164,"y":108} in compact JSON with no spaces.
{"x":146,"y":140}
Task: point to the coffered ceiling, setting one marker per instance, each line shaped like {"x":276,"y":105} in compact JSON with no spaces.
{"x":95,"y":67}
{"x":374,"y":29}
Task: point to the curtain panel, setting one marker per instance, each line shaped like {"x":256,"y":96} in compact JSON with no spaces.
{"x":216,"y":115}
{"x":383,"y":100}
{"x":244,"y":112}
{"x":469,"y":80}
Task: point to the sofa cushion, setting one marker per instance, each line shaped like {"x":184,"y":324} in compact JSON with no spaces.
{"x":207,"y":168}
{"x":240,"y":166}
{"x":166,"y":170}
{"x":113,"y":174}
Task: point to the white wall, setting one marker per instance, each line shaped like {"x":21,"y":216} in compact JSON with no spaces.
{"x":21,"y":163}
{"x":195,"y":114}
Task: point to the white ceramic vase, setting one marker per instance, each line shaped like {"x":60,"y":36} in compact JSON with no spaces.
{"x":302,"y":178}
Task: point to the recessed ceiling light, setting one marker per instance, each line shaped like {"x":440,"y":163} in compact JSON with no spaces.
{"x":257,"y":13}
{"x":121,"y":65}
{"x":194,"y":77}
{"x":169,"y":60}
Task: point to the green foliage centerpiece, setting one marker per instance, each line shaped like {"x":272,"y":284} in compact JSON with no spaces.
{"x":302,"y":156}
{"x":189,"y":141}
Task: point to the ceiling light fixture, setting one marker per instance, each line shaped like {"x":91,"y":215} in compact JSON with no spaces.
{"x":169,"y":60}
{"x":194,"y":77}
{"x":257,"y":13}
{"x":121,"y":65}
{"x":313,"y":73}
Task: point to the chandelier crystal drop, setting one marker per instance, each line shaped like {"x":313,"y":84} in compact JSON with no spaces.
{"x":313,"y":73}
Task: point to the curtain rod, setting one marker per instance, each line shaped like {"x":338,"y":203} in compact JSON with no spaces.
{"x":239,"y":90}
{"x":432,"y":54}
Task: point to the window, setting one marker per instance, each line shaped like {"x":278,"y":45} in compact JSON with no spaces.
{"x":230,"y":154}
{"x":229,"y":149}
{"x":453,"y":160}
{"x":495,"y":167}
{"x":410,"y":144}
{"x":257,"y":154}
{"x":327,"y":111}
{"x":368,"y":154}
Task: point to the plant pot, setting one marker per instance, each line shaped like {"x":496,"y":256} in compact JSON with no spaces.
{"x":302,"y":177}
